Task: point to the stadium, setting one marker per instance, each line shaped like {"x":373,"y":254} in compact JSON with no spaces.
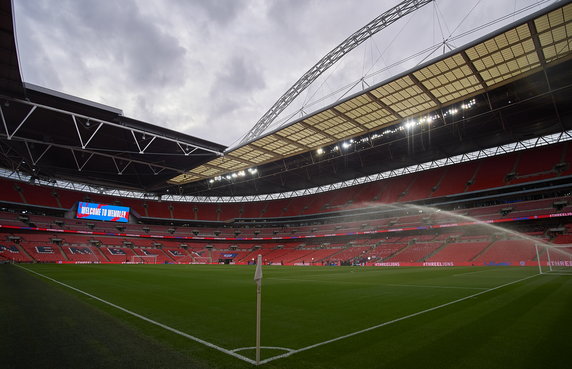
{"x":425,"y":220}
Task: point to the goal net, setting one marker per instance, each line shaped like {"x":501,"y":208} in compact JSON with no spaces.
{"x":555,"y":259}
{"x":144,"y":259}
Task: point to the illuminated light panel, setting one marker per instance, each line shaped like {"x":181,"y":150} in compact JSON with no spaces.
{"x":317,"y":140}
{"x":449,"y":79}
{"x":377,"y":120}
{"x":210,"y":172}
{"x":353,"y":104}
{"x":366,"y":112}
{"x":274,"y":143}
{"x":204,"y":171}
{"x":226,"y":162}
{"x":505,"y":56}
{"x":404,"y":97}
{"x":304,"y":135}
{"x":555,"y":29}
{"x":251,"y":154}
{"x":321,"y":120}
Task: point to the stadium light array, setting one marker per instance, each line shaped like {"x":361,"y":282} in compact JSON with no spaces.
{"x":234,"y":175}
{"x":406,"y":125}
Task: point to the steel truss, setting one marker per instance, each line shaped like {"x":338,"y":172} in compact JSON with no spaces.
{"x":142,"y":139}
{"x":357,"y":38}
{"x":463,"y":158}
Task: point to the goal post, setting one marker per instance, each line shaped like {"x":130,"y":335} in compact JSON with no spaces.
{"x":144,"y":259}
{"x":554,"y":259}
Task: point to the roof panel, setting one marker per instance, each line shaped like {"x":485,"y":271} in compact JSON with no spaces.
{"x":496,"y":60}
{"x":508,"y":54}
{"x":554,"y":31}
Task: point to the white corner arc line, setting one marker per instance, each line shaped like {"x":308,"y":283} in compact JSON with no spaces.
{"x":176,"y":331}
{"x":263,"y":347}
{"x":391,"y":321}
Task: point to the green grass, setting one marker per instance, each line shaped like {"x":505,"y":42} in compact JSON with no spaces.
{"x":525,"y":324}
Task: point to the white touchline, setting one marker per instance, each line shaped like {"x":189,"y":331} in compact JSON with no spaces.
{"x":196,"y":339}
{"x":431,"y":286}
{"x":391,"y":321}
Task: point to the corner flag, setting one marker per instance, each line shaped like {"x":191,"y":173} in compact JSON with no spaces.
{"x":258,"y":279}
{"x":258,"y":273}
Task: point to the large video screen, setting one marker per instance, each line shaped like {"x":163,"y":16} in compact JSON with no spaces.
{"x":111,"y":213}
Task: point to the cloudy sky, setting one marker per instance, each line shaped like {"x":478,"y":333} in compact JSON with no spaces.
{"x":212,"y":68}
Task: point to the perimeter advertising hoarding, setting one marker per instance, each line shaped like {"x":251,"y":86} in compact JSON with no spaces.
{"x":111,"y":213}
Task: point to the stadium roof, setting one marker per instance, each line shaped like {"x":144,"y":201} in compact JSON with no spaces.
{"x":515,"y":84}
{"x":48,"y":134}
{"x":510,"y":53}
{"x":10,"y":78}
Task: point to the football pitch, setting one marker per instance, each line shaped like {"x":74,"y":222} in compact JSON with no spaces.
{"x":203,"y":316}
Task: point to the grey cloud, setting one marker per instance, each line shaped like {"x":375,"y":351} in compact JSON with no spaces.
{"x":207,"y":17}
{"x":234,"y":87}
{"x":220,"y":11}
{"x":149,"y":55}
{"x":116,"y":33}
{"x":241,"y":76}
{"x":288,"y":12}
{"x":34,"y":63}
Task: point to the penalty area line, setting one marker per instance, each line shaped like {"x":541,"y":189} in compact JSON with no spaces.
{"x":171,"y":329}
{"x":390,"y":322}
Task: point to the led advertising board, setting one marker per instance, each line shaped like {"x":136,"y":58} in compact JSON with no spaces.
{"x":111,"y":213}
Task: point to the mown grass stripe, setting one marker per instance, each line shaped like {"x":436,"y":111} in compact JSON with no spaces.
{"x":392,"y":321}
{"x":171,"y":329}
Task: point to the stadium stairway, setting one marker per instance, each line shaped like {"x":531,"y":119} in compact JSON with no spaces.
{"x":101,"y":253}
{"x":168,"y":257}
{"x":61,"y":250}
{"x":434,"y":252}
{"x":24,"y":252}
{"x":398,"y":252}
{"x":333,"y":256}
{"x":483,"y":251}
